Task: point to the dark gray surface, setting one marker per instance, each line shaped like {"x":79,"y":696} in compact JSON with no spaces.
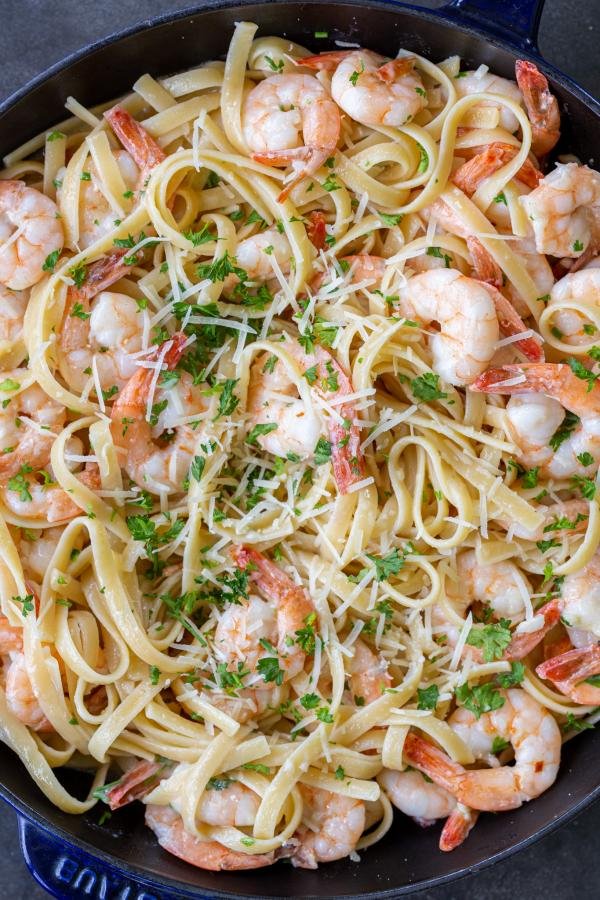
{"x":36,"y":33}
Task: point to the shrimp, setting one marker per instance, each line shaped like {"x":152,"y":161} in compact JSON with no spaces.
{"x":371,"y":89}
{"x":493,"y":157}
{"x":20,"y":695}
{"x":332,"y":826}
{"x":368,"y":673}
{"x":532,"y":420}
{"x":96,"y":215}
{"x":293,"y":605}
{"x":252,"y":256}
{"x":580,"y":288}
{"x":479,"y":82}
{"x":298,"y":427}
{"x":12,"y":312}
{"x":135,"y":783}
{"x":579,"y":605}
{"x":29,"y":499}
{"x":152,"y":465}
{"x":564,"y":210}
{"x":140,"y":145}
{"x":570,"y":671}
{"x":168,"y":827}
{"x":541,"y":105}
{"x":30,"y":230}
{"x":11,"y":637}
{"x":537,"y":267}
{"x":497,"y":585}
{"x":28,"y":426}
{"x":522,"y":721}
{"x":274,"y":114}
{"x":104,"y":339}
{"x":424,"y":801}
{"x":467,"y":318}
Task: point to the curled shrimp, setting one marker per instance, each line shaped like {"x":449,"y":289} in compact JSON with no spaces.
{"x":371,"y":89}
{"x":168,"y":827}
{"x":425,"y":802}
{"x":564,"y":210}
{"x":292,"y":603}
{"x":499,"y":587}
{"x":20,"y":696}
{"x":155,"y":466}
{"x":32,"y":499}
{"x":368,"y":673}
{"x":541,"y":105}
{"x":280,"y":109}
{"x":298,"y":427}
{"x":521,"y":721}
{"x":580,"y":288}
{"x":467,"y":318}
{"x":332,"y":826}
{"x":532,"y":419}
{"x":28,"y":426}
{"x":30,"y":231}
{"x":106,"y":331}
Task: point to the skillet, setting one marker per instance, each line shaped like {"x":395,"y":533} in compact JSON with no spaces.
{"x":75,"y":857}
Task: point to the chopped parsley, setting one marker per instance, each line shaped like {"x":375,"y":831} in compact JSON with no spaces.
{"x":425,"y":387}
{"x":274,"y":66}
{"x":564,"y":431}
{"x":492,"y":639}
{"x":197,"y":238}
{"x":270,"y":670}
{"x":427,"y":698}
{"x":322,"y":452}
{"x":50,"y":261}
{"x":479,"y":699}
{"x":259,"y":430}
{"x":27,"y":604}
{"x":437,"y":253}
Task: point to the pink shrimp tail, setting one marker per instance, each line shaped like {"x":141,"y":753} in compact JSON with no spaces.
{"x":492,"y":381}
{"x":541,"y":104}
{"x":134,"y":137}
{"x":315,"y":229}
{"x":524,"y":643}
{"x":511,"y":323}
{"x":101,"y":274}
{"x":267,"y":576}
{"x":572,"y":667}
{"x":395,"y":68}
{"x":422,"y":755}
{"x":457,"y":827}
{"x":135,"y":784}
{"x":492,"y":158}
{"x":485,"y":267}
{"x":325,"y":62}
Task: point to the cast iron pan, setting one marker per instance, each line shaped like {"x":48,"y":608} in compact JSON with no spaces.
{"x":73,"y":856}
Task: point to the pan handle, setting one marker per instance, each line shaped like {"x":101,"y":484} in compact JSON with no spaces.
{"x":514,"y":20}
{"x":69,"y":873}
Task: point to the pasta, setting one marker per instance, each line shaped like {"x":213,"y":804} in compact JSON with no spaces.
{"x":298,"y":475}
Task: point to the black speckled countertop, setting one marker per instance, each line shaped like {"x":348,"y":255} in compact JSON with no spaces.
{"x":36,"y":33}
